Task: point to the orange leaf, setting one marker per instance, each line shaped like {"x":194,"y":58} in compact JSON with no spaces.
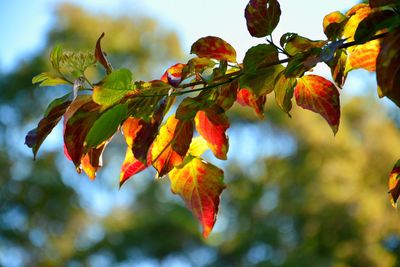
{"x":200,"y":184}
{"x":130,"y":167}
{"x":92,"y":161}
{"x":212,"y":125}
{"x":171,"y":145}
{"x":214,"y":47}
{"x":394,"y":184}
{"x":247,"y":98}
{"x":317,"y":94}
{"x":363,"y":56}
{"x":333,"y":25}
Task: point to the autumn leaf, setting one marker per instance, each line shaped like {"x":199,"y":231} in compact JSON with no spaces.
{"x":101,"y":57}
{"x":215,"y":48}
{"x":189,"y":106}
{"x":200,"y":185}
{"x":356,"y":14}
{"x":388,"y":67}
{"x":76,"y":129}
{"x":52,"y":116}
{"x":171,"y":145}
{"x":394,"y":184}
{"x":333,"y":25}
{"x":227,"y":94}
{"x":317,"y":94}
{"x":212,"y":124}
{"x":284,"y":92}
{"x":338,"y":67}
{"x":92,"y":161}
{"x":262,"y":16}
{"x":246,"y":98}
{"x":174,"y":74}
{"x":130,"y":167}
{"x":259,"y":57}
{"x":381,"y":3}
{"x":299,"y":44}
{"x":363,"y":56}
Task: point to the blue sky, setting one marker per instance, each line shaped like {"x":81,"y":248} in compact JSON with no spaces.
{"x":24,"y":23}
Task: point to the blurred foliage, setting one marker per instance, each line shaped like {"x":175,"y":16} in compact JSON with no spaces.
{"x":324,"y":204}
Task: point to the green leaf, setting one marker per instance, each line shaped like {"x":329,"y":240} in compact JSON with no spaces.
{"x":105,"y":126}
{"x":262,"y":16}
{"x":48,"y":79}
{"x":114,"y":87}
{"x":191,"y":105}
{"x":259,"y":57}
{"x":284,"y":88}
{"x":299,"y":44}
{"x":302,"y":62}
{"x":56,"y":56}
{"x":262,"y":82}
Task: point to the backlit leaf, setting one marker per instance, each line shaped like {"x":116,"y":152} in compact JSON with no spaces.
{"x":284,"y":92}
{"x":262,"y":16}
{"x":303,"y":62}
{"x":48,"y":79}
{"x":130,"y":167}
{"x":114,"y":87}
{"x":394,"y":184}
{"x":317,"y":94}
{"x":173,"y":75}
{"x":298,"y":44}
{"x":105,"y":126}
{"x":92,"y":161}
{"x":171,"y":145}
{"x":200,"y":185}
{"x":101,"y":56}
{"x":363,"y":56}
{"x":246,"y":98}
{"x":212,"y":124}
{"x":259,"y":57}
{"x":215,"y":48}
{"x":356,"y":14}
{"x":188,"y":108}
{"x":338,"y":67}
{"x":198,"y":146}
{"x":76,"y":129}
{"x":227,"y":94}
{"x":56,"y":56}
{"x":52,"y":116}
{"x":333,"y":24}
{"x":261,"y":83}
{"x":380,"y":3}
{"x":388,"y":67}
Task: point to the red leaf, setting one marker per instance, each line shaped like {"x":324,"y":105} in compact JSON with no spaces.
{"x":214,"y":47}
{"x":130,"y":167}
{"x":212,"y":125}
{"x":394,"y":184}
{"x":101,"y":57}
{"x":247,"y":98}
{"x":173,"y":75}
{"x":262,"y":16}
{"x":76,"y":129}
{"x":200,"y":184}
{"x":228,"y":94}
{"x":171,"y":145}
{"x":317,"y":94}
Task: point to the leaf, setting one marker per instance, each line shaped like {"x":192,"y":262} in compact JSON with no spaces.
{"x":319,"y":95}
{"x":197,"y":147}
{"x":356,"y":14}
{"x":48,"y":79}
{"x":173,"y":75}
{"x":92,"y":161}
{"x":394,"y":184}
{"x":262,"y":16}
{"x":298,"y":44}
{"x":148,"y":132}
{"x":130,"y":127}
{"x":200,"y":185}
{"x":259,"y":57}
{"x":380,"y":3}
{"x":215,"y":48}
{"x":228,"y":94}
{"x":261,"y":83}
{"x":212,"y":124}
{"x":171,"y":145}
{"x":105,"y":126}
{"x":388,"y":67}
{"x":333,"y":24}
{"x":303,"y":62}
{"x":56,"y":56}
{"x":375,"y":22}
{"x":246,"y":98}
{"x":115,"y":86}
{"x":284,"y":92}
{"x":76,"y":129}
{"x":189,"y":107}
{"x":52,"y":116}
{"x":130,"y":167}
{"x":338,"y":67}
{"x":101,"y":56}
{"x":363,"y":56}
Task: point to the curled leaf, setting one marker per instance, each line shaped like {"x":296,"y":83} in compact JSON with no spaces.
{"x":101,"y":56}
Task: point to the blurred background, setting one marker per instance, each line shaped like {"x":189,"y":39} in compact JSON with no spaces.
{"x":296,"y":195}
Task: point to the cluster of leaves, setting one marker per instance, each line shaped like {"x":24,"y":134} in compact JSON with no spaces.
{"x":364,"y":37}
